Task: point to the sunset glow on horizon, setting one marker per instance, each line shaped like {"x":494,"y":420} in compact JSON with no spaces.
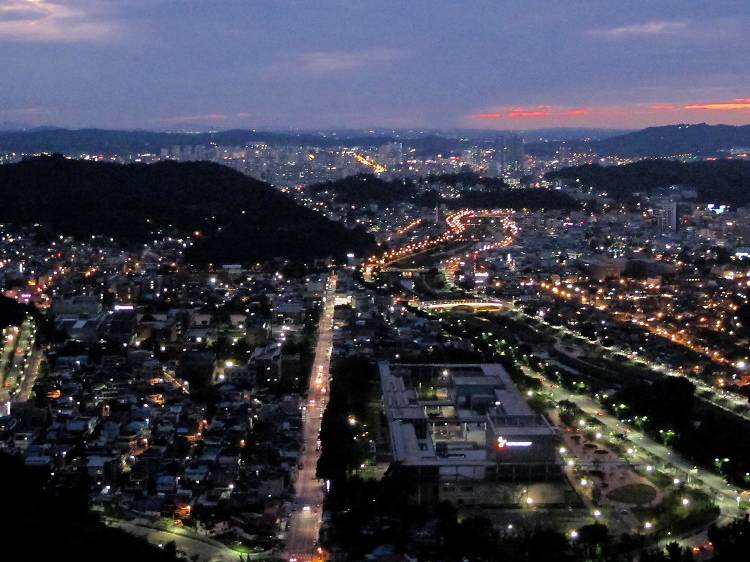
{"x":332,"y":65}
{"x":710,"y":112}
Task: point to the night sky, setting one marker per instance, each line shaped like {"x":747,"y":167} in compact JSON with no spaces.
{"x":503,"y":64}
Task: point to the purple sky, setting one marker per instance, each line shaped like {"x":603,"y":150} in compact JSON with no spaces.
{"x":505,"y":64}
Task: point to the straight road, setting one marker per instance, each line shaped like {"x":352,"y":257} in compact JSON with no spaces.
{"x":18,"y":354}
{"x":304,"y":526}
{"x":31,"y":372}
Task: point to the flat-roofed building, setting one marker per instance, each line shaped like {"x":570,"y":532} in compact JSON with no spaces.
{"x":465,"y":421}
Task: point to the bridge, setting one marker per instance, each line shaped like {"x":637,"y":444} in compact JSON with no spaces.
{"x":464,"y":305}
{"x":412,"y":270}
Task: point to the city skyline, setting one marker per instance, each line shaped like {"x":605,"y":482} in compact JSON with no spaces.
{"x":375,"y":281}
{"x":286,"y":64}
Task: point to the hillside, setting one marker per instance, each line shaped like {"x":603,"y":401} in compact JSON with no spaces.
{"x":658,"y":142}
{"x":699,"y":139}
{"x":71,"y":531}
{"x":239,"y":219}
{"x":718,"y":181}
{"x":364,"y":189}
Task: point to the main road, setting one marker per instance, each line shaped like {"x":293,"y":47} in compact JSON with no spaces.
{"x":304,"y":526}
{"x":19,"y":362}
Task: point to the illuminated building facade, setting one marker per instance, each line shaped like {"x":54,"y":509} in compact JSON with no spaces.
{"x":464,"y":422}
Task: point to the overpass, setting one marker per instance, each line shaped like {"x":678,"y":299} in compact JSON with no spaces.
{"x":465,"y":305}
{"x":408,"y":270}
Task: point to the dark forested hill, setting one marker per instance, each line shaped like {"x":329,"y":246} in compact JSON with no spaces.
{"x":367,"y":188}
{"x":364,"y":189}
{"x":700,"y":139}
{"x":239,"y":219}
{"x":503,"y":199}
{"x":718,"y":181}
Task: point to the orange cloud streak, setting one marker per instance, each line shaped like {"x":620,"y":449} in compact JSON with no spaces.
{"x":523,"y":112}
{"x":491,"y":115}
{"x":733,"y":105}
{"x":664,"y":107}
{"x":575,"y":112}
{"x":620,"y":115}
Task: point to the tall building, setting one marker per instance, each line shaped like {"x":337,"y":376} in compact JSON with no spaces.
{"x":563,"y":154}
{"x":666,"y":216}
{"x":510,"y":157}
{"x":391,"y":154}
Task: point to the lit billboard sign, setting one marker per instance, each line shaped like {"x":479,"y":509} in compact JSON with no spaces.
{"x":502,"y":443}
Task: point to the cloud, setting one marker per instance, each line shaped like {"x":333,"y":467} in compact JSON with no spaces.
{"x":24,"y":112}
{"x":664,"y":107}
{"x":21,"y":11}
{"x":624,"y":114}
{"x":196,"y":118}
{"x":525,"y":112}
{"x":738,"y":104}
{"x":650,"y":28}
{"x":575,"y":112}
{"x":741,"y":104}
{"x":530,"y":112}
{"x":332,"y":62}
{"x":43,"y":21}
{"x":488,"y":115}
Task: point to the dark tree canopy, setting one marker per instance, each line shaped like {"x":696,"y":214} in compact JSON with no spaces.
{"x":718,"y":181}
{"x":11,"y":312}
{"x":367,"y":188}
{"x":54,"y":523}
{"x":364,"y":189}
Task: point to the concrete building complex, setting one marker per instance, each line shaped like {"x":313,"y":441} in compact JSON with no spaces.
{"x":464,"y":421}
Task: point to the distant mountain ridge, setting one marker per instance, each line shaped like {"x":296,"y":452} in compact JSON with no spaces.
{"x":104,"y":141}
{"x":671,"y":140}
{"x":233,"y":218}
{"x":657,"y":142}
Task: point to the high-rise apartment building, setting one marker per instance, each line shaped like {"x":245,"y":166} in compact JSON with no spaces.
{"x":666,"y":216}
{"x":509,"y":154}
